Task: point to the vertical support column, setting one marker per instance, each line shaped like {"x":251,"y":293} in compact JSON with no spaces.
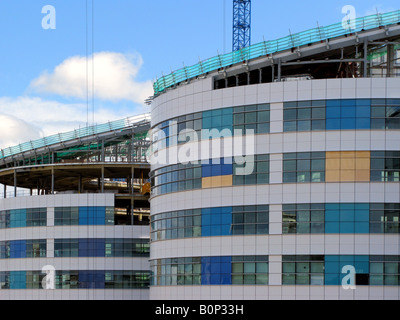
{"x":52,"y":180}
{"x":80,"y":184}
{"x":102,"y":179}
{"x":390,"y":61}
{"x":365,"y":73}
{"x":279,"y":70}
{"x":132,"y":192}
{"x":102,"y":151}
{"x":15,"y":183}
{"x":5,"y":192}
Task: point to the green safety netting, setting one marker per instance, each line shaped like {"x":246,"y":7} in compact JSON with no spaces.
{"x":269,"y":47}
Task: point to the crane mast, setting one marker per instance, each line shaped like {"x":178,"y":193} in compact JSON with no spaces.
{"x":241,"y":24}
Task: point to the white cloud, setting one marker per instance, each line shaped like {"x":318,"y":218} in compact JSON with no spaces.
{"x":14,"y":131}
{"x":114,"y":78}
{"x":28,"y":118}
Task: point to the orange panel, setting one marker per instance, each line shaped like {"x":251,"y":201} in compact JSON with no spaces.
{"x":348,"y":164}
{"x":332,"y":164}
{"x":347,"y":175}
{"x":363,"y":154}
{"x":363,"y":164}
{"x":227,"y":181}
{"x":332,"y":176}
{"x":363,"y":176}
{"x":206,"y":182}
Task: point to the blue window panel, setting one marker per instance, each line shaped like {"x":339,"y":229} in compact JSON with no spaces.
{"x":362,"y":206}
{"x":205,"y":270}
{"x":18,"y":280}
{"x":348,"y":112}
{"x":227,"y":112}
{"x":332,"y":264}
{"x":348,"y":102}
{"x":332,"y":227}
{"x":332,"y":279}
{"x":333,"y":103}
{"x":91,"y":247}
{"x":332,"y":124}
{"x":92,"y":215}
{"x":91,"y":279}
{"x":347,"y":123}
{"x":206,"y":170}
{"x":333,"y":112}
{"x":361,"y":227}
{"x":363,"y":123}
{"x":216,"y":170}
{"x":346,"y":215}
{"x":207,"y":122}
{"x":226,"y":219}
{"x":363,"y":111}
{"x":206,"y":220}
{"x":332,"y":215}
{"x":216,"y":122}
{"x":215,"y":218}
{"x":18,"y":218}
{"x":332,"y":206}
{"x":226,"y":230}
{"x":226,"y":210}
{"x":215,"y":230}
{"x":226,"y":169}
{"x":346,"y":227}
{"x":226,"y":279}
{"x":215,"y":279}
{"x":361,"y":216}
{"x":363,"y":102}
{"x":18,"y":249}
{"x":206,"y":231}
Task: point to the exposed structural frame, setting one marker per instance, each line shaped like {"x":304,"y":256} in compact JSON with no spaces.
{"x":241,"y":24}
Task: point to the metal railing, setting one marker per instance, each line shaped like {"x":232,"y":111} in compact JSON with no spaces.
{"x":75,"y":134}
{"x":269,"y":47}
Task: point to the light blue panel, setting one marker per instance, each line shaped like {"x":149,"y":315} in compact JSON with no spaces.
{"x":332,"y":227}
{"x":18,"y":280}
{"x":18,"y":218}
{"x":361,"y":227}
{"x":332,"y":124}
{"x":363,"y":123}
{"x":346,"y":227}
{"x":348,"y":112}
{"x":332,"y":215}
{"x":347,"y":123}
{"x":346,"y":215}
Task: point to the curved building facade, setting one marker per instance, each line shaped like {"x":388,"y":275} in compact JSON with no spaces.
{"x":279,"y":177}
{"x":74,"y":216}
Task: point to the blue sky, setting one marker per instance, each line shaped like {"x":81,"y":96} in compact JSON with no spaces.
{"x":133,"y":41}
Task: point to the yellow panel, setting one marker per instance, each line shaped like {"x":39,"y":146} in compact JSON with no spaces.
{"x":332,"y":164}
{"x":363,"y":176}
{"x":206,"y":182}
{"x":216,"y":182}
{"x":332,"y":176}
{"x":363,"y":154}
{"x":347,"y":175}
{"x":227,"y":181}
{"x":363,"y":164}
{"x":348,"y":164}
{"x":332,"y":155}
{"x":348,"y":154}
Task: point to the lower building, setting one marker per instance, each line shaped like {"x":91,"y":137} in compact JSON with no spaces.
{"x":74,"y":217}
